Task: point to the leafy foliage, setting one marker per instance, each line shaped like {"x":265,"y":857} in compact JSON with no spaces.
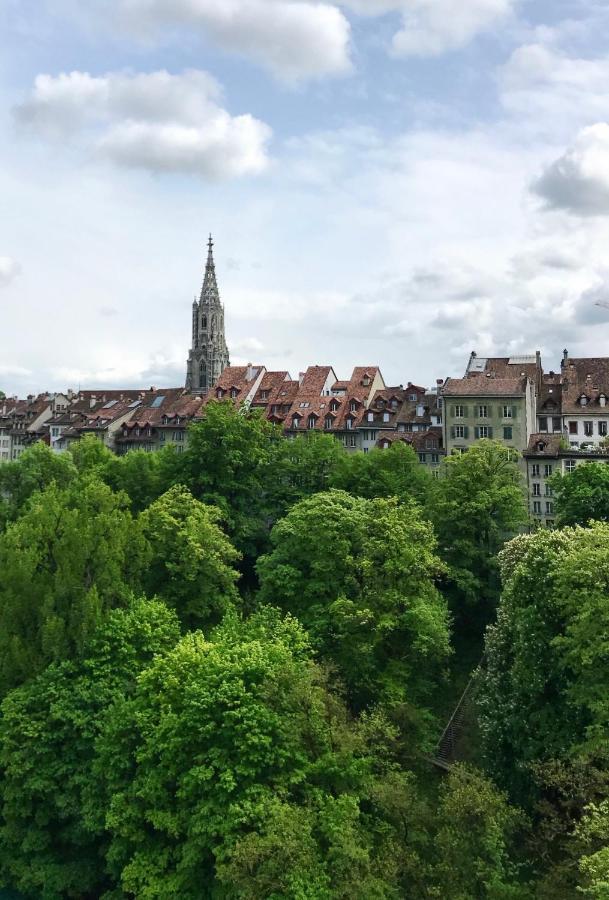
{"x":48,"y":730}
{"x":36,"y":469}
{"x":191,"y":564}
{"x":582,"y":496}
{"x":395,"y":472}
{"x":474,"y":507}
{"x":360,"y":576}
{"x":73,"y":555}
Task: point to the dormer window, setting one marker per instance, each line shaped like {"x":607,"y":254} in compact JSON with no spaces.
{"x":219,"y":393}
{"x":541,"y":446}
{"x":353,"y":406}
{"x":385,"y":417}
{"x":328,"y":422}
{"x":366,"y":381}
{"x":334,"y":405}
{"x":349,"y":423}
{"x":394,"y":404}
{"x":296,"y":422}
{"x":602,"y":400}
{"x":371,"y":417}
{"x":264,"y":395}
{"x":233,"y":393}
{"x":583,"y":400}
{"x":311,"y":421}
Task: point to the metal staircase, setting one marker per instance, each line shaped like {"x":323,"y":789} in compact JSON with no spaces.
{"x":447,"y":749}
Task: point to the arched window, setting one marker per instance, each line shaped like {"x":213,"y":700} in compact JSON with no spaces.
{"x":204,"y":323}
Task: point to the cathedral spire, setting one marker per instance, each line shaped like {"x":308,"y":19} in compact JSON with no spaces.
{"x":209,"y":292}
{"x":208,"y":355}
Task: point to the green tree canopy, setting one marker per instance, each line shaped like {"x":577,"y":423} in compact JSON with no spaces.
{"x":302,"y":466}
{"x":48,"y":728}
{"x":191,"y":564}
{"x":545,"y":690}
{"x":395,"y":472}
{"x":233,"y":772}
{"x":73,"y":554}
{"x":583,"y":495}
{"x":227,"y":463}
{"x":360,"y":575}
{"x":475,"y":506}
{"x":36,"y":469}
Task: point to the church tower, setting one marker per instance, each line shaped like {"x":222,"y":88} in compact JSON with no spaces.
{"x":208,"y":356}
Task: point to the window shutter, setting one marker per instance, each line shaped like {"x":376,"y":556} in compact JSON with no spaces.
{"x":489,"y":410}
{"x":476,"y":432}
{"x":466,"y":432}
{"x":452,"y":413}
{"x":452,"y":431}
{"x":465,"y":412}
{"x":490,"y":431}
{"x":514,"y":411}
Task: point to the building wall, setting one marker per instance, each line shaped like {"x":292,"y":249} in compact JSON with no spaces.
{"x":463,"y":423}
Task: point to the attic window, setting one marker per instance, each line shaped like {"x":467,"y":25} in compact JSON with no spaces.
{"x":311,"y":421}
{"x":234,"y":393}
{"x":219,"y":393}
{"x":583,"y":400}
{"x":353,"y":406}
{"x":264,"y":395}
{"x":365,"y":381}
{"x":334,"y":405}
{"x":328,"y":422}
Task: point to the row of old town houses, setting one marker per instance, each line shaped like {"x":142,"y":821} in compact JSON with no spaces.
{"x":552,"y":420}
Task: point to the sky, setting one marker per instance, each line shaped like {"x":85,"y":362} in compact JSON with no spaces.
{"x":388,"y":182}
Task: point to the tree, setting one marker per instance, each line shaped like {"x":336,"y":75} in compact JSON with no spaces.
{"x":360,"y":576}
{"x":90,"y":455}
{"x":474,"y":844}
{"x":48,"y":846}
{"x":36,"y":469}
{"x":545,"y":688}
{"x":234,"y":772}
{"x":227,"y":464}
{"x":593,"y":834}
{"x":583,"y":495}
{"x":475,"y":506}
{"x":73,"y":555}
{"x":302,"y":466}
{"x":192,"y":560}
{"x":395,"y":472}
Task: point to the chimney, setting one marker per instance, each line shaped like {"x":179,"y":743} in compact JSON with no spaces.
{"x":565,"y":357}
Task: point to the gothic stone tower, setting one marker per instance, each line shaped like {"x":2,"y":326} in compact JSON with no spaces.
{"x":208,"y":356}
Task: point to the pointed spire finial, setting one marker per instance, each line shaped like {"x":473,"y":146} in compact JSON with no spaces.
{"x":209,"y":291}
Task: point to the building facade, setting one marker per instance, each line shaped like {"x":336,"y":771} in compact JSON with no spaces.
{"x":208,"y":356}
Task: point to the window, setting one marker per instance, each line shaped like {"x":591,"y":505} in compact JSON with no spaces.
{"x":556,"y":424}
{"x":311,"y":422}
{"x":328,"y":422}
{"x":572,"y":427}
{"x":352,"y":440}
{"x":304,"y":405}
{"x":507,"y":433}
{"x":371,"y":417}
{"x":508,"y":412}
{"x":296,"y":422}
{"x":602,"y":429}
{"x":549,"y":508}
{"x":435,"y":458}
{"x":353,"y":406}
{"x":537,"y":506}
{"x":161,"y":436}
{"x":549,"y":491}
{"x":264,"y":395}
{"x":484,"y":431}
{"x":421,"y":457}
{"x":459,"y":431}
{"x":535,"y":470}
{"x":583,"y":400}
{"x":537,"y":489}
{"x":385,"y":417}
{"x":588,"y":429}
{"x":547,"y":470}
{"x":54,"y":432}
{"x":394,"y":404}
{"x":483,"y":412}
{"x":459,"y":412}
{"x":543,"y":423}
{"x":570,"y":465}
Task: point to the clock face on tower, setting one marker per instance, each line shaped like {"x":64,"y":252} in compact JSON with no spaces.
{"x":208,"y":355}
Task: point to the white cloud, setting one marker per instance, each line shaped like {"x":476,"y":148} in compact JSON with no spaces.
{"x":552,"y":91}
{"x":295,"y":39}
{"x":432,"y":27}
{"x":157,"y":121}
{"x":579,"y":180}
{"x":9,"y":269}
